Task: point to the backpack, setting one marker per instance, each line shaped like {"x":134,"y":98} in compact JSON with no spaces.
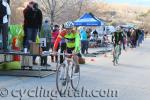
{"x":3,"y":12}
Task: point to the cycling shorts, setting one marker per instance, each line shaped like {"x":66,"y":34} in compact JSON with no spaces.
{"x":70,"y":50}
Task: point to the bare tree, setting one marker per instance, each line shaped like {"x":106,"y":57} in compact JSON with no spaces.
{"x":52,"y":8}
{"x":17,"y":7}
{"x":56,"y":9}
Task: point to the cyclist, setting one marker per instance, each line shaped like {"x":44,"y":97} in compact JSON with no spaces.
{"x":117,"y":38}
{"x":72,"y":39}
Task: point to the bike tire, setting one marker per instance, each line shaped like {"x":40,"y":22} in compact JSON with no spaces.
{"x":75,"y":83}
{"x":61,"y":86}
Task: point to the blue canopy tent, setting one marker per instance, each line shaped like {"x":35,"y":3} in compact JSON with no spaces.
{"x":88,"y":19}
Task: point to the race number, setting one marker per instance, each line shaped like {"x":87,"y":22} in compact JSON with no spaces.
{"x":43,"y":42}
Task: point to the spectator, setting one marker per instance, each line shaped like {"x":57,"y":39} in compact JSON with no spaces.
{"x":139,"y":41}
{"x":124,"y":36}
{"x":26,"y":21}
{"x":84,"y":40}
{"x":128,"y":37}
{"x":146,"y":34}
{"x":95,"y":33}
{"x":133,"y":38}
{"x":54,"y":36}
{"x":38,"y":18}
{"x":63,"y":47}
{"x":46,"y":33}
{"x":28,"y":24}
{"x":4,"y":13}
{"x":137,"y":34}
{"x":88,"y":31}
{"x":37,"y":23}
{"x":33,"y":22}
{"x":143,"y":33}
{"x":105,"y":40}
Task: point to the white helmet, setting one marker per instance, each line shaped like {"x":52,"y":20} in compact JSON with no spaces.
{"x":68,"y":24}
{"x":118,"y":28}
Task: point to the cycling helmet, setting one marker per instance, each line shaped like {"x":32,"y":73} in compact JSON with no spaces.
{"x":118,"y":28}
{"x":68,"y":25}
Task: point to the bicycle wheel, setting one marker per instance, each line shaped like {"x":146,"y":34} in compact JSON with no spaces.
{"x":75,"y":78}
{"x":61,"y":79}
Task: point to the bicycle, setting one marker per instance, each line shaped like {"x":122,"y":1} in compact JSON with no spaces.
{"x":116,"y":54}
{"x":66,"y":73}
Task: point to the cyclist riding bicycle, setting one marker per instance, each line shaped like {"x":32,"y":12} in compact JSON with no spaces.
{"x":72,"y":39}
{"x":117,"y":39}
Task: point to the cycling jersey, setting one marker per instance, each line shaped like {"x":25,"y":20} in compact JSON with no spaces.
{"x":72,"y":40}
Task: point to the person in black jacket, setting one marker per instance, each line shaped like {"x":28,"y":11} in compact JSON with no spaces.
{"x":32,"y":24}
{"x":26,"y":22}
{"x":37,"y":22}
{"x":4,"y":19}
{"x":28,"y":18}
{"x":38,"y":17}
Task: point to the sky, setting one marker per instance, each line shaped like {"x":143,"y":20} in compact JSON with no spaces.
{"x":131,"y":2}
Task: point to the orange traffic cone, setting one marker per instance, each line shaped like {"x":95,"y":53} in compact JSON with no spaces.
{"x":92,"y":60}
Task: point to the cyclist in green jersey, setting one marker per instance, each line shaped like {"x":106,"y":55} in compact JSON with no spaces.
{"x":72,"y":39}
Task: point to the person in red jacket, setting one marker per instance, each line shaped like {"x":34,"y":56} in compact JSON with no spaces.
{"x":54,"y":37}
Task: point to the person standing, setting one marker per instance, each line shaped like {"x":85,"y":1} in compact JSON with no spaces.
{"x":46,"y":33}
{"x":34,"y":19}
{"x":55,"y":33}
{"x":88,"y":31}
{"x":143,"y":33}
{"x":26,"y":22}
{"x":128,"y":37}
{"x":105,"y":40}
{"x":63,"y":47}
{"x":133,"y":38}
{"x":5,"y":12}
{"x":139,"y":40}
{"x":38,"y":17}
{"x":37,"y":24}
{"x":124,"y":36}
{"x":84,"y":40}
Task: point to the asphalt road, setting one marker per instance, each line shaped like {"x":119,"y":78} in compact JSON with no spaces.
{"x":100,"y":80}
